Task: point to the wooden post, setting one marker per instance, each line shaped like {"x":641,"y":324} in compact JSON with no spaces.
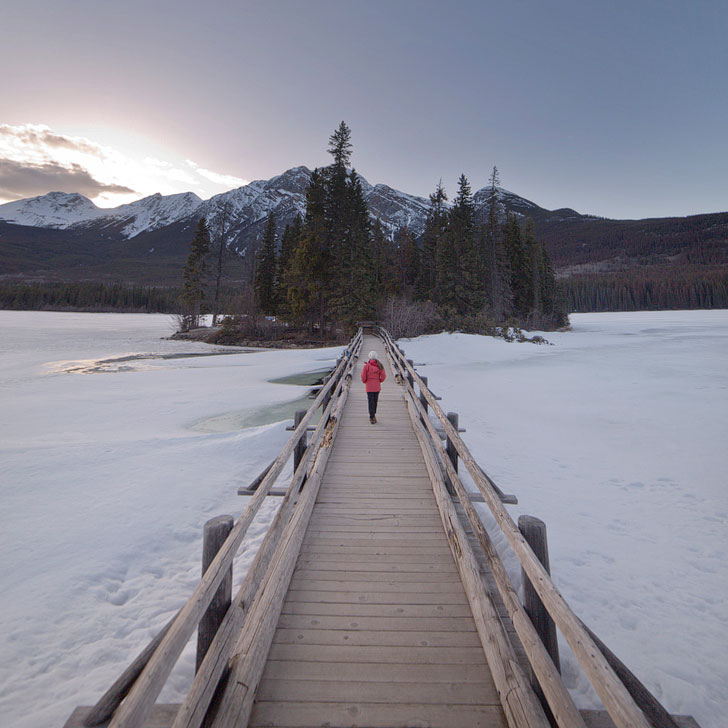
{"x":534,"y":531}
{"x":409,"y":374}
{"x":452,"y":452}
{"x":326,"y":399}
{"x":216,"y":531}
{"x":423,"y":399}
{"x":300,"y":449}
{"x":450,"y":447}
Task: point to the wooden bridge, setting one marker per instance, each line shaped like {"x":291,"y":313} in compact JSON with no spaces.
{"x":376,"y":597}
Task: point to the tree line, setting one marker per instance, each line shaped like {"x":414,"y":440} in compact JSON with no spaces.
{"x":646,"y":289}
{"x":87,"y":296}
{"x":335,"y":266}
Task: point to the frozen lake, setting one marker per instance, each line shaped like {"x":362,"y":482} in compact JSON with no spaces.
{"x":117,"y":445}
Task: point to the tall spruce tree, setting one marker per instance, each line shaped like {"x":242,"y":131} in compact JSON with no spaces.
{"x":385,"y":268}
{"x":520,"y":266}
{"x":338,"y":203}
{"x":356,"y":293}
{"x":469,"y":293}
{"x":499,"y":298}
{"x":309,"y":272}
{"x":289,"y":242}
{"x":265,"y":274}
{"x":408,"y":260}
{"x":219,"y":252}
{"x":194,"y":277}
{"x":435,"y":228}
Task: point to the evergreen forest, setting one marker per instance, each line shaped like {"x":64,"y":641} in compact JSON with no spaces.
{"x":335,"y":266}
{"x":477,"y":269}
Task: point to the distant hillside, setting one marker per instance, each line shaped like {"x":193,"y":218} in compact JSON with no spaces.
{"x":63,"y":236}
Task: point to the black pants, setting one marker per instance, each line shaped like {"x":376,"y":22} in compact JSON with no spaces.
{"x":373,"y":397}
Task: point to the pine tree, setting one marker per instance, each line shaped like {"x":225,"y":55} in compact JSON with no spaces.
{"x":340,"y":146}
{"x":469,"y":293}
{"x":408,"y":260}
{"x":385,"y":269}
{"x":520,"y":266}
{"x":265,"y":274}
{"x":435,"y":227}
{"x":309,"y":271}
{"x":219,"y":253}
{"x":289,"y":242}
{"x":356,"y":294}
{"x":194,"y":277}
{"x":446,"y":262}
{"x":337,"y":207}
{"x":499,"y":298}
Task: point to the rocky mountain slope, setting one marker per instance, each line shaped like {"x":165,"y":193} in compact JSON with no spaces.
{"x":63,"y":236}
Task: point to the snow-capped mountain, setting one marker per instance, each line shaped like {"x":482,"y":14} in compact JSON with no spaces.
{"x":154,"y":212}
{"x":57,"y":210}
{"x":245,"y":208}
{"x":61,"y":210}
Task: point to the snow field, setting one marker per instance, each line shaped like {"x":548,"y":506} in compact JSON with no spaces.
{"x":106,"y":485}
{"x":614,"y":436}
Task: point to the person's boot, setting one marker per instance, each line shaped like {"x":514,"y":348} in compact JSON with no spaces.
{"x":373,"y":419}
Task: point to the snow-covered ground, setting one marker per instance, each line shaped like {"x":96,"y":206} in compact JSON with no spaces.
{"x":615,"y":436}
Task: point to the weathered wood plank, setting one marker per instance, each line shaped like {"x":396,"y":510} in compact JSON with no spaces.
{"x":332,"y":691}
{"x":422,"y":552}
{"x":374,"y":715}
{"x":387,"y":586}
{"x":383,"y":568}
{"x":376,"y":672}
{"x":378,"y":653}
{"x":376,"y":610}
{"x":374,"y":597}
{"x":406,"y":535}
{"x":402,"y":624}
{"x":161,"y":716}
{"x":386,"y":502}
{"x":368,"y":509}
{"x":376,"y":637}
{"x":414,"y":544}
{"x":601,"y":719}
{"x":372,"y":556}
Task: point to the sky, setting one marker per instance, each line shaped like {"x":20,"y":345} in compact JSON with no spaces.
{"x":616,"y":109}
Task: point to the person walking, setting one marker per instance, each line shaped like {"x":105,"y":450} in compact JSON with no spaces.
{"x":373,"y":374}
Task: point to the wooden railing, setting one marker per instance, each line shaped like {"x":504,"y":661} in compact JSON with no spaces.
{"x":617,"y":688}
{"x":241,"y":637}
{"x":232,"y":655}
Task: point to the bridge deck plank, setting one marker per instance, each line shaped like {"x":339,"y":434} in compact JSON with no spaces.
{"x":376,"y":629}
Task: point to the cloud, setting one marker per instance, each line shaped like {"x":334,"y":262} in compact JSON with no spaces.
{"x":18,"y":180}
{"x":221,"y":179}
{"x":35,"y":159}
{"x":38,"y":136}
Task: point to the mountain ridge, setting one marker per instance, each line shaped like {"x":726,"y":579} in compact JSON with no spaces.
{"x":64,"y":235}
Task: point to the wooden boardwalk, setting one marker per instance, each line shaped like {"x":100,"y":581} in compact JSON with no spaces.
{"x":376,"y":629}
{"x":376,"y":597}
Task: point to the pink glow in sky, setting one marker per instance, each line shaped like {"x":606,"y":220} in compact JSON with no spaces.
{"x":613,"y":109}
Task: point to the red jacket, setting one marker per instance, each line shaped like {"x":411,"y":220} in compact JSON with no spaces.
{"x":373,"y":376}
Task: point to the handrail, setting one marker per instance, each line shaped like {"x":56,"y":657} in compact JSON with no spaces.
{"x":194,"y":708}
{"x":147,"y":687}
{"x":557,"y":696}
{"x":518,"y":701}
{"x":619,"y":703}
{"x":253,"y":643}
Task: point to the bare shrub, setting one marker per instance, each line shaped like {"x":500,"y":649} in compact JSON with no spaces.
{"x":404,"y":318}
